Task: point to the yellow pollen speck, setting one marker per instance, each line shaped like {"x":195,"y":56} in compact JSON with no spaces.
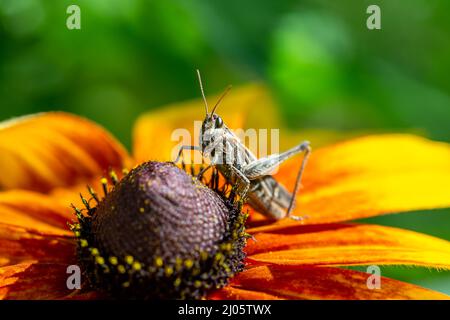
{"x":77,"y":234}
{"x":203,"y":255}
{"x":141,"y":210}
{"x":113,"y":260}
{"x":226,"y":246}
{"x":83,"y":243}
{"x":197,"y":283}
{"x":188,"y":263}
{"x":94,"y":251}
{"x":121,"y":269}
{"x":137,"y":266}
{"x":168,"y":271}
{"x":126,"y":284}
{"x":177,"y":282}
{"x":100,"y":260}
{"x":113,"y":175}
{"x":104,"y":181}
{"x":178,"y":263}
{"x":159,"y":262}
{"x":129,"y":259}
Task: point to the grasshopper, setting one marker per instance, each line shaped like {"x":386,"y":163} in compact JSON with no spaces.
{"x":238,"y":164}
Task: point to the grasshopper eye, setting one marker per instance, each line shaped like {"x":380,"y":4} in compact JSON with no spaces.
{"x":219,"y":122}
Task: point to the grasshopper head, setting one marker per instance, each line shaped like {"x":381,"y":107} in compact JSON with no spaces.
{"x":212,"y":121}
{"x":210,"y":124}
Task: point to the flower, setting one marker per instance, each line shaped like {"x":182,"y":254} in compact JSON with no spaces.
{"x":46,"y":159}
{"x":160,"y":228}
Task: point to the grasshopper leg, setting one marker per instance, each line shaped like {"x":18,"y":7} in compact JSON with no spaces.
{"x":243,"y":179}
{"x":265,"y":166}
{"x":307,"y":152}
{"x":185,"y":147}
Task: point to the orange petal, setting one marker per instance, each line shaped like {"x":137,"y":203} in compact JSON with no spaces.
{"x":18,"y":245}
{"x":71,"y":195}
{"x":232,"y":293}
{"x":315,"y":283}
{"x":246,"y":107}
{"x":34,"y":211}
{"x":33,"y":281}
{"x":342,"y":245}
{"x":49,"y":150}
{"x":371,"y":176}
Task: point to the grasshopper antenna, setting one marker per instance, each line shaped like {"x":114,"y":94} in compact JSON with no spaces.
{"x":201,"y":89}
{"x":221,"y":97}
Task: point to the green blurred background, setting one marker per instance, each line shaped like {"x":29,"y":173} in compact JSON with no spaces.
{"x":322,"y":64}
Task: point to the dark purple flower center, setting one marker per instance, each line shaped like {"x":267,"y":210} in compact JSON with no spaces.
{"x":160,"y":233}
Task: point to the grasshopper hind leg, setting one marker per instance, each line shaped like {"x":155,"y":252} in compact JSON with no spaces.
{"x":307,"y":152}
